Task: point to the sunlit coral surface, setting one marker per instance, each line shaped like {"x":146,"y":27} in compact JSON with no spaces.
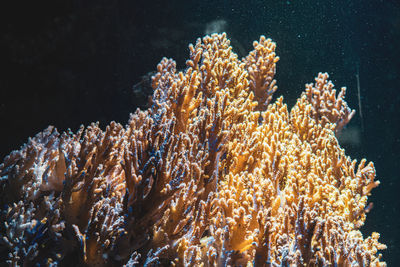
{"x":212,"y":174}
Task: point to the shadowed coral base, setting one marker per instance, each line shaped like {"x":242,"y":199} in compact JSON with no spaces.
{"x":212,"y":174}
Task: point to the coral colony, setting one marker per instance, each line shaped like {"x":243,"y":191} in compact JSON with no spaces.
{"x":212,"y":174}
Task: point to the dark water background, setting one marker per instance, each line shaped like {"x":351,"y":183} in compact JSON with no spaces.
{"x":68,"y":63}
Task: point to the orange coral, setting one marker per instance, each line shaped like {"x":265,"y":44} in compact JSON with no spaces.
{"x":212,"y":174}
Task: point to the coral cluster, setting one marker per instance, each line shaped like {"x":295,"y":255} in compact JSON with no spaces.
{"x":212,"y":174}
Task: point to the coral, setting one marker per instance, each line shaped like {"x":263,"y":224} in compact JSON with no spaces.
{"x":211,"y":174}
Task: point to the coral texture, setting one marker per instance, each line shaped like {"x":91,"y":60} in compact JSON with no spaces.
{"x":212,"y":174}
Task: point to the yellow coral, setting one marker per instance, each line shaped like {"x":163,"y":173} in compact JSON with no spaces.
{"x":212,"y":174}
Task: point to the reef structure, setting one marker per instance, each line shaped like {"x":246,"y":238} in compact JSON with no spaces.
{"x":212,"y":174}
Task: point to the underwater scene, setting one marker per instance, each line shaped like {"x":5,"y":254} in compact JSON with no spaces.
{"x":200,"y":133}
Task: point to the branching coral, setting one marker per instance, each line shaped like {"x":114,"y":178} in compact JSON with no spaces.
{"x":211,"y":174}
